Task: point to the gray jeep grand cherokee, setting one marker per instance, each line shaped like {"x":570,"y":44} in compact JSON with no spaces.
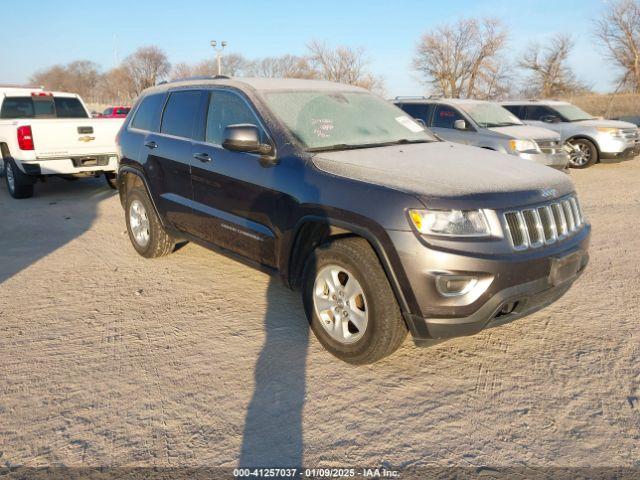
{"x":384,"y":228}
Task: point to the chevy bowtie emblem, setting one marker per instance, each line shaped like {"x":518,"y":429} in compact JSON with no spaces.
{"x":549,"y":192}
{"x":87,"y":138}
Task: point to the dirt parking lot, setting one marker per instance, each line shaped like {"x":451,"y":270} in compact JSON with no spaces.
{"x":194,"y":359}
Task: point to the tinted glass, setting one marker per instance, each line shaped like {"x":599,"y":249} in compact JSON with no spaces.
{"x":445,"y":117}
{"x":108,"y":111}
{"x":418,"y":110}
{"x":180,"y":113}
{"x":17,"y":107}
{"x":148,"y":113}
{"x":536,"y":112}
{"x":227,"y":109}
{"x":67,"y":107}
{"x":515,"y":109}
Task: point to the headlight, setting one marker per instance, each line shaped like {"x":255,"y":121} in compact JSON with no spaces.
{"x":523,"y":145}
{"x":451,"y":223}
{"x":614,"y":132}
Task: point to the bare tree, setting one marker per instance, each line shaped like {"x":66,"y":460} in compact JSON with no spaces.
{"x":146,"y":66}
{"x":233,"y":65}
{"x":619,"y":31}
{"x":457,"y":60}
{"x":79,"y":77}
{"x":115,"y":86}
{"x":285,"y":66}
{"x":549,"y":69}
{"x":344,"y":65}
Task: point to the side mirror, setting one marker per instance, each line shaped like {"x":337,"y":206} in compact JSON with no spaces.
{"x":421,"y":122}
{"x":245,"y":138}
{"x":550,"y":119}
{"x":460,"y":125}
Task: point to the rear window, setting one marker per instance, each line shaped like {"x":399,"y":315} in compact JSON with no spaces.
{"x":180,"y":113}
{"x":42,"y":107}
{"x":148,"y":113}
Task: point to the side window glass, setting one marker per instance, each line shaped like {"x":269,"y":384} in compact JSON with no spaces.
{"x":180,"y":113}
{"x":515,"y":109}
{"x":421,"y":111}
{"x":536,"y":112}
{"x":226,"y":109}
{"x":146,"y":117}
{"x":445,"y":117}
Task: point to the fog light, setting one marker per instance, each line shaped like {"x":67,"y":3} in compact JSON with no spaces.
{"x":455,"y":285}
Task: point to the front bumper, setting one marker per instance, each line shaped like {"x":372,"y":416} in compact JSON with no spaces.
{"x":518,"y":285}
{"x":615,"y":148}
{"x":69,"y":165}
{"x":558,"y":160}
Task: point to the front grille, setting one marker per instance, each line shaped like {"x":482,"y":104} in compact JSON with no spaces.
{"x":538,"y":226}
{"x":550,"y":146}
{"x":630,"y":133}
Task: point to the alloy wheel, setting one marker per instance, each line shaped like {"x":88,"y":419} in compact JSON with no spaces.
{"x":139,"y":223}
{"x":340,"y":304}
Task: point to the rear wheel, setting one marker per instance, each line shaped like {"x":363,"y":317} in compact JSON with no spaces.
{"x":584,"y":154}
{"x":18,"y":184}
{"x":349,"y":302}
{"x":112,"y":180}
{"x":143,"y":225}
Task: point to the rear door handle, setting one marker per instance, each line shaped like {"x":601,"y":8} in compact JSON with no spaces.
{"x":203,"y":157}
{"x":151,"y":144}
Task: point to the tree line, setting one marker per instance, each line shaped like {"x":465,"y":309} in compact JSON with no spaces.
{"x":467,"y":58}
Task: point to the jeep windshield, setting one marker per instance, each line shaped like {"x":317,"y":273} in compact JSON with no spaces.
{"x":344,"y":120}
{"x":572,"y":113}
{"x":490,"y":115}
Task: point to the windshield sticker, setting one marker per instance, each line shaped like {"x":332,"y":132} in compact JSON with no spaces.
{"x":409,"y":124}
{"x":322,"y":127}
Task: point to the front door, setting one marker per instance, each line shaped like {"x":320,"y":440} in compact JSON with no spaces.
{"x":444,"y":118}
{"x":233,"y":199}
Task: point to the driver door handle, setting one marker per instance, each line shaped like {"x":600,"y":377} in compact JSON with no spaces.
{"x":203,"y":157}
{"x":151,"y":144}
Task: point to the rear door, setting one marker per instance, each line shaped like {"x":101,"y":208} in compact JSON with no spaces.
{"x":167,"y":155}
{"x":233,"y":201}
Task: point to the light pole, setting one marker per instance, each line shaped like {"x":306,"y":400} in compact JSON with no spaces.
{"x":219,"y":50}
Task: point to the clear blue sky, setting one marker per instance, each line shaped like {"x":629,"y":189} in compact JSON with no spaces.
{"x":36,"y":34}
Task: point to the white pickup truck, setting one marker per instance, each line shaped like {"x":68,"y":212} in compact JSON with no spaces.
{"x":51,"y":133}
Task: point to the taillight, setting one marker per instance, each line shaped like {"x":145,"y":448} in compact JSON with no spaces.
{"x":25,"y":138}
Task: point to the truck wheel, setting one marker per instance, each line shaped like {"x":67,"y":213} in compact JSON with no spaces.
{"x":584,"y":155}
{"x":18,"y":184}
{"x":112,"y":180}
{"x":145,"y":230}
{"x":349,"y":302}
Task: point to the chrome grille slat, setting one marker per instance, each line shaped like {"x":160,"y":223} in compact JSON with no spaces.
{"x":538,"y":226}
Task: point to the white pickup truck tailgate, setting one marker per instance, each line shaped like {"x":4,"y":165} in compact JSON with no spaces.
{"x":55,"y":138}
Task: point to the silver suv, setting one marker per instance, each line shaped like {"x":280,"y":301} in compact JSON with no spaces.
{"x":487,"y":125}
{"x":594,"y":139}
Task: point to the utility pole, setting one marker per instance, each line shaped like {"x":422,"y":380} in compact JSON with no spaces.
{"x":214,"y":44}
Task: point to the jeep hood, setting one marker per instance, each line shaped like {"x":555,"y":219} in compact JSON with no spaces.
{"x":449,"y":172}
{"x":604,"y":123}
{"x":526,"y":132}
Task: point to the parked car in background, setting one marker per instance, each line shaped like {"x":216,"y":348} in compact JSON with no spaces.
{"x":384,"y":227}
{"x":115,"y":112}
{"x":594,"y":139}
{"x":487,"y":125}
{"x":51,"y":133}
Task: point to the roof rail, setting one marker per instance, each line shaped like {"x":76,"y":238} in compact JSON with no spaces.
{"x":15,"y":85}
{"x":196,"y":77}
{"x":410,"y":97}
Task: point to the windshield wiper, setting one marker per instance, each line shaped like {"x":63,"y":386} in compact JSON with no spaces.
{"x":347,"y":146}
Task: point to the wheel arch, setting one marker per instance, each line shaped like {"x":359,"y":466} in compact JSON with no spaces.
{"x":582,"y":136}
{"x":129,"y":177}
{"x":314,"y":230}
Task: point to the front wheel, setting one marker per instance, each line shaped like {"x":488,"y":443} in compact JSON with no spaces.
{"x":349,"y":302}
{"x":584,"y":153}
{"x":143,"y":225}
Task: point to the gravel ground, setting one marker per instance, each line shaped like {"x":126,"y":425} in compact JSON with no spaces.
{"x":108,"y":359}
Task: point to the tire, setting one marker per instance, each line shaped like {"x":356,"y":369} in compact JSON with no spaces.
{"x":588,"y":153}
{"x":112,"y":180}
{"x":18,"y":184}
{"x":143,"y":224}
{"x":383,"y":329}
